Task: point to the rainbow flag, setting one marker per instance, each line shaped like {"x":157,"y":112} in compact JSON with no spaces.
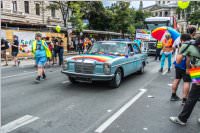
{"x":195,"y":74}
{"x":100,"y":58}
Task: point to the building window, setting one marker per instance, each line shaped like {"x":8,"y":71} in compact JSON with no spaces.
{"x":168,"y":2}
{"x":53,"y":12}
{"x":160,"y":14}
{"x":1,"y":4}
{"x":37,"y":8}
{"x":14,"y":6}
{"x":163,"y":2}
{"x":26,"y":6}
{"x":166,"y":14}
{"x":159,"y":2}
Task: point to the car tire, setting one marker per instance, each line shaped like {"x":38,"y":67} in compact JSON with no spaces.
{"x":72,"y":80}
{"x":116,"y":81}
{"x":141,"y":71}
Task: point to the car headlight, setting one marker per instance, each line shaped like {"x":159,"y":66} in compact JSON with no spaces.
{"x":65,"y":65}
{"x":107,"y":68}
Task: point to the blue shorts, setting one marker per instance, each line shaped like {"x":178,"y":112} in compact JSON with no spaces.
{"x":41,"y":61}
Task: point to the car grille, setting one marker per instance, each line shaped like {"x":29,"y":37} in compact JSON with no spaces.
{"x":86,"y":68}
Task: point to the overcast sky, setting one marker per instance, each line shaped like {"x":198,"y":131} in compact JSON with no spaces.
{"x":134,"y":4}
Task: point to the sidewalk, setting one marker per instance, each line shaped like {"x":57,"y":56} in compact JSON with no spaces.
{"x":24,"y":62}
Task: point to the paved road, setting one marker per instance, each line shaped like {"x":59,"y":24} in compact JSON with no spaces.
{"x":55,"y":105}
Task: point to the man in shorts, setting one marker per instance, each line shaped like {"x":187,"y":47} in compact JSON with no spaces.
{"x":180,"y":70}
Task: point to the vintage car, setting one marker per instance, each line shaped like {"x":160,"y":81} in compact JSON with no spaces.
{"x":106,"y":61}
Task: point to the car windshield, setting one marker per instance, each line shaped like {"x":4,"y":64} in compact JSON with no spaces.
{"x":151,"y":26}
{"x":108,"y":48}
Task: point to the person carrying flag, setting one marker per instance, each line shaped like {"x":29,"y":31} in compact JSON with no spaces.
{"x":41,"y":53}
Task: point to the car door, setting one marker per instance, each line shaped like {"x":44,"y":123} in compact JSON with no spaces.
{"x":132,"y":66}
{"x":137,"y":57}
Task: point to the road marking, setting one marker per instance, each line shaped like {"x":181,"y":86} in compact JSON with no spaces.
{"x":24,"y":74}
{"x":18,"y":123}
{"x":18,"y":75}
{"x":169,"y":84}
{"x":64,"y":82}
{"x":110,"y":120}
{"x":165,"y":72}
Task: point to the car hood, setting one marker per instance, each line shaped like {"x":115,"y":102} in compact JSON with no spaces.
{"x":96,"y":58}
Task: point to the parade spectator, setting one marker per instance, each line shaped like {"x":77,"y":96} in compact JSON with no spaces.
{"x":60,"y":51}
{"x":80,"y":46}
{"x":193,"y":51}
{"x":180,"y":71}
{"x":4,"y":47}
{"x":15,"y":50}
{"x":55,"y":49}
{"x":50,"y":46}
{"x":76,"y":44}
{"x":158,"y":50}
{"x":41,"y":53}
{"x":166,"y":52}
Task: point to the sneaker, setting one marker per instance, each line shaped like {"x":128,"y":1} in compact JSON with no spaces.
{"x":183,"y":101}
{"x":175,"y":98}
{"x":177,"y":121}
{"x":44,"y":76}
{"x":169,"y":70}
{"x":161,"y":70}
{"x":37,"y":80}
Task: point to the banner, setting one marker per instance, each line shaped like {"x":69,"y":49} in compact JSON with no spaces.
{"x":25,"y":40}
{"x":143,"y":34}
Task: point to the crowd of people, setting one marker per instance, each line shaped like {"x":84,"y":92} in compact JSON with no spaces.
{"x":187,"y":58}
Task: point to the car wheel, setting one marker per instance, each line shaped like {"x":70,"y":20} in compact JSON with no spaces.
{"x":116,"y":81}
{"x":72,"y":80}
{"x":141,"y":71}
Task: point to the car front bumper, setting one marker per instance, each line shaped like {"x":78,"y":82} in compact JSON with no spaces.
{"x":91,"y":77}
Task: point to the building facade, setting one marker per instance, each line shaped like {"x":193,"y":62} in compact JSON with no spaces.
{"x":29,"y":13}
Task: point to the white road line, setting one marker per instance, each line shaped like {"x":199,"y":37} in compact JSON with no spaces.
{"x":165,"y":72}
{"x":64,"y":82}
{"x":18,"y":123}
{"x":169,"y":84}
{"x":18,"y":75}
{"x":110,"y":120}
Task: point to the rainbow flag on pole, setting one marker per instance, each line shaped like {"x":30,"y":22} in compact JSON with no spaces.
{"x":195,"y":75}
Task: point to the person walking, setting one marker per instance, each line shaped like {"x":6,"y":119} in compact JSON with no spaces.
{"x":193,"y":51}
{"x":15,"y":50}
{"x":158,"y":50}
{"x":166,"y":52}
{"x":180,"y":71}
{"x":41,"y":53}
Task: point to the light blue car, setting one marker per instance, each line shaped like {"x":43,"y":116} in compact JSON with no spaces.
{"x":106,"y":61}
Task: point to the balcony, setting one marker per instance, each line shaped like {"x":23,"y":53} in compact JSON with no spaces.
{"x":8,"y":12}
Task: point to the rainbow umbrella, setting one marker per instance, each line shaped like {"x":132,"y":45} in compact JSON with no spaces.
{"x":159,"y":32}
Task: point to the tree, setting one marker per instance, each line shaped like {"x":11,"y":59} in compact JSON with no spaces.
{"x":195,"y":18}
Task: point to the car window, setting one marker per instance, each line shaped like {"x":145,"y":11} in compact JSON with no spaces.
{"x":136,"y":48}
{"x":130,"y":49}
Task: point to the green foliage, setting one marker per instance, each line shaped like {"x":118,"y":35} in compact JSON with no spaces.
{"x":119,"y":17}
{"x":195,"y":18}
